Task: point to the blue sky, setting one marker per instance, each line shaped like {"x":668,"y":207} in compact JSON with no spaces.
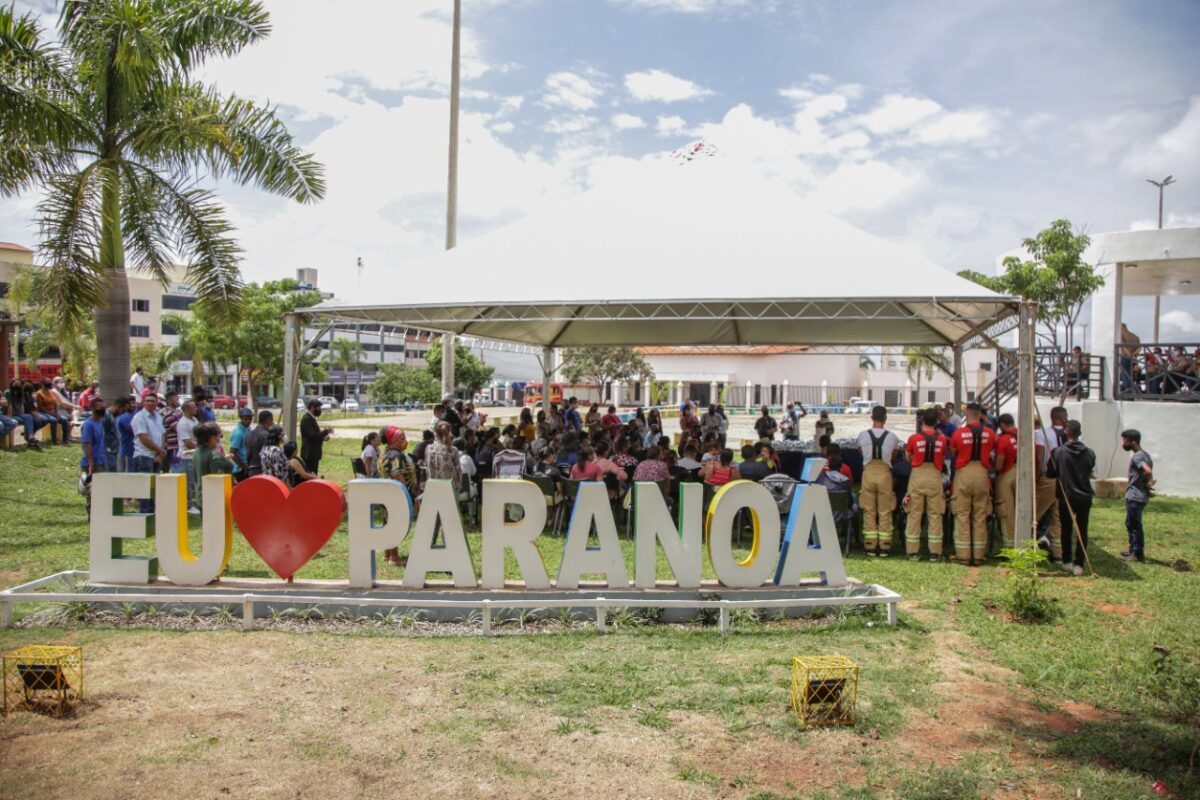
{"x":953,"y":128}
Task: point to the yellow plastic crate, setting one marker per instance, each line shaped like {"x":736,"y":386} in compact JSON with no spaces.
{"x":43,"y":676}
{"x":824,"y":690}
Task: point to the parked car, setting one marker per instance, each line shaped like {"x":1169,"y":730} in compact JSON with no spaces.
{"x":243,"y":401}
{"x":266,"y":401}
{"x":350,"y":404}
{"x":329,"y":403}
{"x":220,"y":401}
{"x":860,"y":407}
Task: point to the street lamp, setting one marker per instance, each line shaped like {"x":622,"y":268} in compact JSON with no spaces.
{"x":1164,"y":183}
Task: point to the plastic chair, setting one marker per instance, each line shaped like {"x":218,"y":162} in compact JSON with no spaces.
{"x":359,"y":467}
{"x":550,"y":494}
{"x":570,"y":492}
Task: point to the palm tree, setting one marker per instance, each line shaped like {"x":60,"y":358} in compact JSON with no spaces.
{"x":109,"y":124}
{"x":923,"y":361}
{"x":344,"y":355}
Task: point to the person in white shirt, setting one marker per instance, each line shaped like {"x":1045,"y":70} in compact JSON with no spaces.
{"x":185,"y":432}
{"x":137,"y":382}
{"x":149,"y":443}
{"x":880,"y":448}
{"x":370,"y":454}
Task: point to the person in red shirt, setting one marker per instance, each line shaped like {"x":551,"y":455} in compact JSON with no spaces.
{"x":1006,"y":476}
{"x":832,"y":450}
{"x":611,"y":423}
{"x":88,"y":395}
{"x":926,"y":449}
{"x":972,"y":446}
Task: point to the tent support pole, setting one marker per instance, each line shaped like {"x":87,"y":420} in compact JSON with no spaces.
{"x":1026,"y":491}
{"x":447,"y":364}
{"x":547,"y":376}
{"x":958,"y":377}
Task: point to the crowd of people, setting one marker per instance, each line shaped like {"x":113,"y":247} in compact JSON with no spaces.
{"x":966,"y":465}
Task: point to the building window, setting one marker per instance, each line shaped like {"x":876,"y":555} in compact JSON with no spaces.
{"x":168,"y":329}
{"x":140,"y":305}
{"x":177,"y":302}
{"x":139,"y":331}
{"x":903,"y":363}
{"x":986,"y":366}
{"x":892,"y":362}
{"x":970,"y":397}
{"x":932,"y":396}
{"x":3,"y":289}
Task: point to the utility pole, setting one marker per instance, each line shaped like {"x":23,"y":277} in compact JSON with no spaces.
{"x":452,"y":190}
{"x":1164,"y":183}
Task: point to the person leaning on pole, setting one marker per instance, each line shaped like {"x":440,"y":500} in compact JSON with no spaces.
{"x":972,"y":446}
{"x":880,"y":449}
{"x":1075,"y":464}
{"x":926,"y":449}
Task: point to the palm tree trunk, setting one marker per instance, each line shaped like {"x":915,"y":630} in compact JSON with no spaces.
{"x":112,"y":319}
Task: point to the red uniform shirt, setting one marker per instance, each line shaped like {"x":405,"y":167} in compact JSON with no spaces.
{"x":918,"y":443}
{"x":963,"y":444}
{"x":1006,"y":445}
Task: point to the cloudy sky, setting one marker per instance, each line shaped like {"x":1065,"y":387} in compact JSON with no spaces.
{"x":953,"y":128}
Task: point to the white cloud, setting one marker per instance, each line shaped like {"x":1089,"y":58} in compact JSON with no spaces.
{"x":662,"y":86}
{"x":573,"y":123}
{"x":688,"y":6}
{"x":957,"y":127}
{"x":1179,"y":322}
{"x":1173,"y":220}
{"x":627,"y":122}
{"x":868,"y":185}
{"x":570,"y":90}
{"x":1175,"y":150}
{"x":897,"y":113}
{"x":671,"y":126}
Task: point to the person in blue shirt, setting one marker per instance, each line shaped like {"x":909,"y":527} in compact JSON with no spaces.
{"x":125,"y":432}
{"x":239,"y":449}
{"x":945,"y":424}
{"x":571,"y":418}
{"x":203,"y":412}
{"x":112,"y":437}
{"x":95,"y":455}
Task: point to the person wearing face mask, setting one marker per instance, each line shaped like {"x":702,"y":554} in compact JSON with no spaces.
{"x":397,"y":465}
{"x":312,"y":437}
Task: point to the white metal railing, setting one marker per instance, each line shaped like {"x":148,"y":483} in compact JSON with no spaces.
{"x":26,"y":593}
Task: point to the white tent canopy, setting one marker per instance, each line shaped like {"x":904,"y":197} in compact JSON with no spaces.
{"x":679,"y":253}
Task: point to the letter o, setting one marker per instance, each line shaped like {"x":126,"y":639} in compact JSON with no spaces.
{"x":759,"y":566}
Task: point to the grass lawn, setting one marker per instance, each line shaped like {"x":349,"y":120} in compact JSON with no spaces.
{"x":955,"y":702}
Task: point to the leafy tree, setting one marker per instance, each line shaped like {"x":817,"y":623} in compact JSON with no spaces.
{"x":106,"y":120}
{"x":344,"y":355}
{"x":1055,"y":277}
{"x":44,"y":334}
{"x":256,"y":343}
{"x":865,"y":361}
{"x":469,"y":371}
{"x":922,"y":361}
{"x":599,"y":365}
{"x":155,"y":359}
{"x":396,"y":383}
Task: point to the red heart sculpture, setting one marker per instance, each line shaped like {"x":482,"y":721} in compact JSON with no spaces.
{"x":287,"y":527}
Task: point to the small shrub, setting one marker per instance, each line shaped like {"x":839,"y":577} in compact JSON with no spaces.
{"x":1023,"y":597}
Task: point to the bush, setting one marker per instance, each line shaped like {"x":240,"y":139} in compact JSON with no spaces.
{"x":1023,"y":598}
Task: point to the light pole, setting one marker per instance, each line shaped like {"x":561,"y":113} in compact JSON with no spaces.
{"x":1164,"y":183}
{"x":452,"y":190}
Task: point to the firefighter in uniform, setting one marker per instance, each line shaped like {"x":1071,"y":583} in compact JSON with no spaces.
{"x":1006,"y":476}
{"x":926,"y":449}
{"x":879,"y":448}
{"x":1045,"y":441}
{"x":972,"y":446}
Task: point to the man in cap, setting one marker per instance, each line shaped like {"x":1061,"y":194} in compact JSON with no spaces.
{"x":239,"y":448}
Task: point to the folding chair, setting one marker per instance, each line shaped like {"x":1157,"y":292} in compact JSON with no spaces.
{"x":549,"y":494}
{"x":570,"y":492}
{"x":359,"y":467}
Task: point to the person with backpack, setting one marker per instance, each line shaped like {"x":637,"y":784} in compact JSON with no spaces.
{"x":1075,"y":463}
{"x":926,"y":450}
{"x":972,"y":446}
{"x":879,"y":448}
{"x":1137,"y":495}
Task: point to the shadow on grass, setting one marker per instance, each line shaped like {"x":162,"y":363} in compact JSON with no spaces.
{"x":1108,"y":565}
{"x":1154,"y":748}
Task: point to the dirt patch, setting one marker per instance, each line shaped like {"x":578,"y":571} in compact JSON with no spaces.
{"x":1116,"y":609}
